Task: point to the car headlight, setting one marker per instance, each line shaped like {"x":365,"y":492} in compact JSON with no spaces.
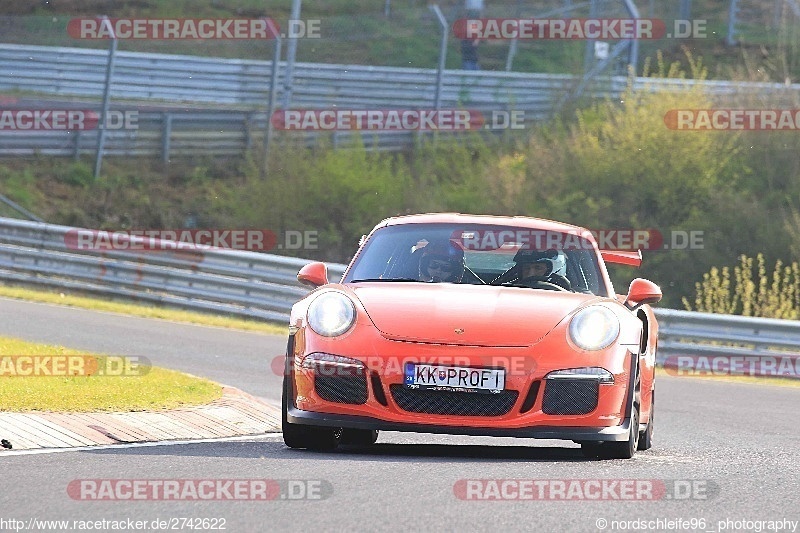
{"x":331,"y":314}
{"x":594,"y":328}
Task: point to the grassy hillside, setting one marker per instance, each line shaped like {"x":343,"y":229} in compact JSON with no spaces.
{"x":608,"y":166}
{"x":612,"y":165}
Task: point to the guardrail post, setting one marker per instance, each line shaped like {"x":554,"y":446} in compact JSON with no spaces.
{"x":273,"y":89}
{"x":101,"y":131}
{"x":249,"y":119}
{"x":166,"y":136}
{"x":76,"y":153}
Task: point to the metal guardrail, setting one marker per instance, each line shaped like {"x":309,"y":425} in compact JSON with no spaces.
{"x":76,"y":72}
{"x":245,"y":284}
{"x":710,"y":335}
{"x":170,"y":133}
{"x":241,"y":88}
{"x":263,"y":286}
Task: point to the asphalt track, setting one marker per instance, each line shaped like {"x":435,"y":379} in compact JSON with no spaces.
{"x":736,"y":444}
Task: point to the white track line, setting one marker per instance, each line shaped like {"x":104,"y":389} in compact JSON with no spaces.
{"x":38,"y":451}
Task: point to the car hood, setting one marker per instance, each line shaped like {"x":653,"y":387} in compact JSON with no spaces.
{"x":473,"y":315}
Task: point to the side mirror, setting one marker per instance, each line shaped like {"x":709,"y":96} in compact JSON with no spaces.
{"x":642,"y":292}
{"x":313,"y":275}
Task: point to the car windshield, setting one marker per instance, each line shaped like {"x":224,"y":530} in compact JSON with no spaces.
{"x":477,"y":255}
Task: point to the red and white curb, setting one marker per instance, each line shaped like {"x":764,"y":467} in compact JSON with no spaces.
{"x":235,"y":414}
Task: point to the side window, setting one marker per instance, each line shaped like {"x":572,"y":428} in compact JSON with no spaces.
{"x":584,"y":274}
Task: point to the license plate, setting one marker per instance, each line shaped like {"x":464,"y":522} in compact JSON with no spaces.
{"x":455,"y":378}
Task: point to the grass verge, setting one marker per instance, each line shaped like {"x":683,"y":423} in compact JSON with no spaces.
{"x":140,"y":310}
{"x":157,"y":389}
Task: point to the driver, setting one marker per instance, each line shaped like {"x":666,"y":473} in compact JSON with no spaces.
{"x":441,"y":262}
{"x":549,"y":266}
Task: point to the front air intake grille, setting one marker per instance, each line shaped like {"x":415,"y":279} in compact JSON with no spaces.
{"x":570,"y":396}
{"x":530,"y":399}
{"x":348,"y":386}
{"x":437,"y":402}
{"x":377,"y":389}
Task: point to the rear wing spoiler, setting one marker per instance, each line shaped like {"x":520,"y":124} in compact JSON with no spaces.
{"x":632,"y":258}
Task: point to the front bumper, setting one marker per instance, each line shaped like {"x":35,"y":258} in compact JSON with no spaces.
{"x":605,"y":418}
{"x":611,"y":433}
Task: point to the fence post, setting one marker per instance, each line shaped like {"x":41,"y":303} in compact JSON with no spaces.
{"x":685,"y":10}
{"x":589,"y":59}
{"x":101,"y":125}
{"x":730,"y":39}
{"x":633,"y":51}
{"x":291,"y":52}
{"x":442,"y":56}
{"x":273,"y":89}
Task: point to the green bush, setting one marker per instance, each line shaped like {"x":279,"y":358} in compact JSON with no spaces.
{"x":751,"y":291}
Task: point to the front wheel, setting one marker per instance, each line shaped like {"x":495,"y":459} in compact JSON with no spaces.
{"x":306,"y":437}
{"x":624,"y":449}
{"x":615,"y":450}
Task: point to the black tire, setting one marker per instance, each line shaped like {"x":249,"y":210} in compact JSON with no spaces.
{"x":646,"y":436}
{"x":591,"y":449}
{"x":316,"y":438}
{"x":359,"y":437}
{"x":625,"y":449}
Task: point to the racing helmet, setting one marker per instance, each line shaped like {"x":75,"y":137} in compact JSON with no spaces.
{"x":554,"y":260}
{"x":445,"y":259}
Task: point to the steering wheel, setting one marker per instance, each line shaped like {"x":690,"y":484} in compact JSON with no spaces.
{"x":537,"y":284}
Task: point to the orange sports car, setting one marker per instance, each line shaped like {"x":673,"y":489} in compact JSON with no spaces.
{"x":473,"y":325}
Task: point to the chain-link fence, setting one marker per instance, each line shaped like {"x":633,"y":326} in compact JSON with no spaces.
{"x":406,"y":33}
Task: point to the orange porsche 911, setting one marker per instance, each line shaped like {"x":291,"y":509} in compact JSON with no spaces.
{"x":473,"y":325}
